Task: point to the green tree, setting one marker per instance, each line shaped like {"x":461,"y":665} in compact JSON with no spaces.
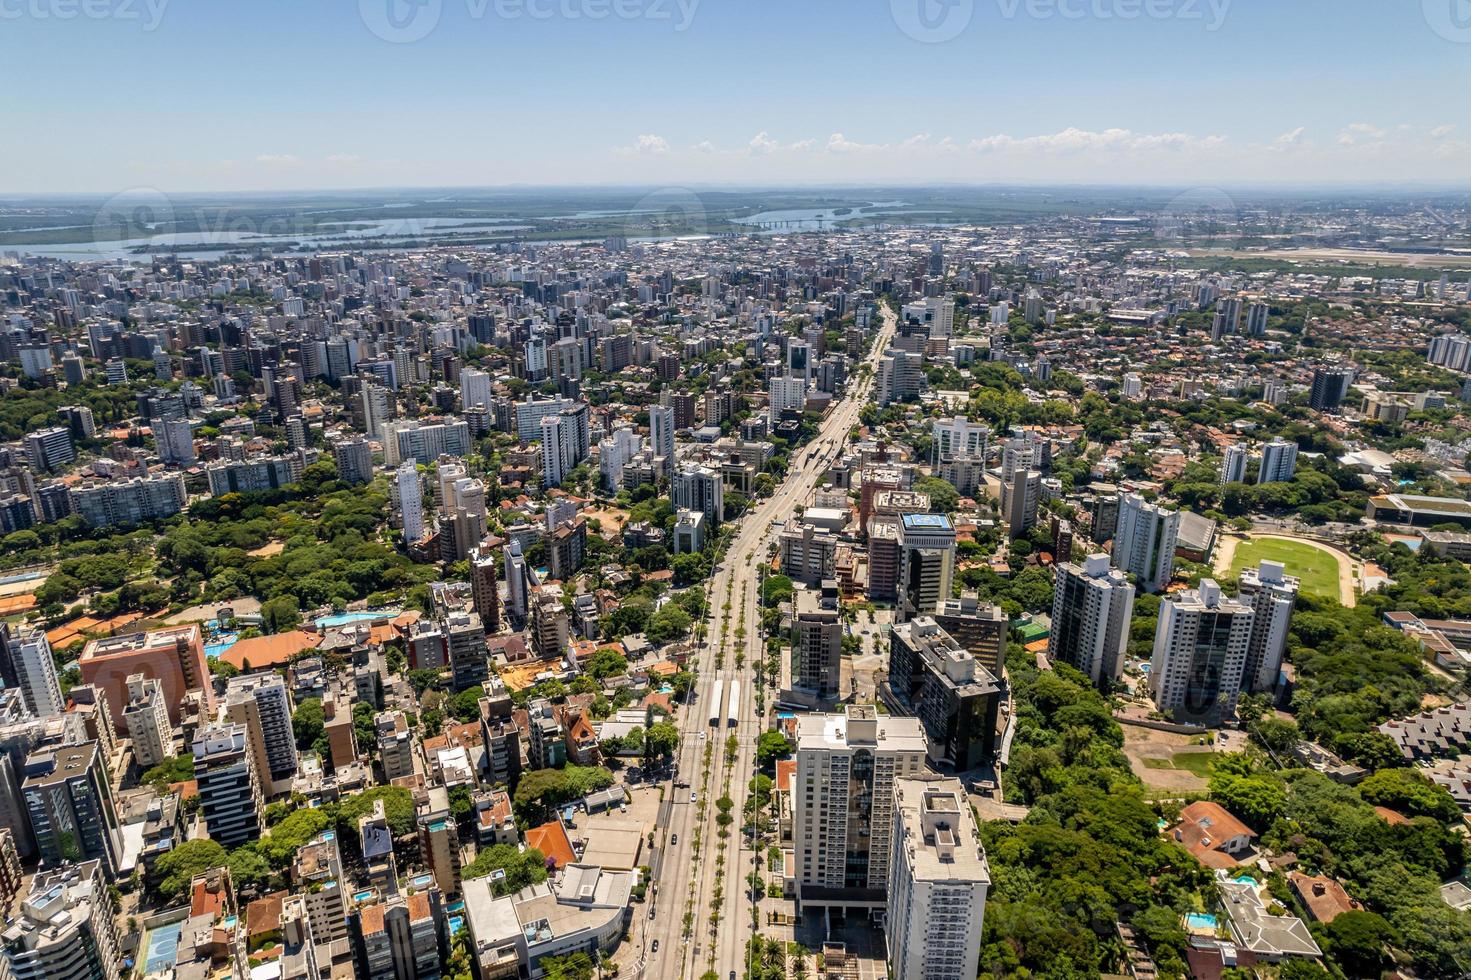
{"x":308,"y":722}
{"x":173,"y":870}
{"x":668,"y":624}
{"x":771,"y":746}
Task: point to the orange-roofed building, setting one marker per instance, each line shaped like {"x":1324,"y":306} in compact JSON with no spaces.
{"x":552,"y":841}
{"x":1323,"y":897}
{"x":174,"y":657}
{"x":270,"y":651}
{"x":1213,"y":835}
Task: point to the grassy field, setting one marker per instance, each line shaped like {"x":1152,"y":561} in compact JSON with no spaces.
{"x":1317,"y":569}
{"x":1197,"y":762}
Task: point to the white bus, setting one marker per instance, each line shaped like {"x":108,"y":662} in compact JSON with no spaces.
{"x":735,"y":703}
{"x":715,"y":703}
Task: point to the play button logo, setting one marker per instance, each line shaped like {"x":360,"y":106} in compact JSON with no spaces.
{"x":400,"y":21}
{"x":932,"y":21}
{"x":1451,"y":19}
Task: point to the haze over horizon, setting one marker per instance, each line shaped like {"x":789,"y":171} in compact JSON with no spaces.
{"x":490,"y":93}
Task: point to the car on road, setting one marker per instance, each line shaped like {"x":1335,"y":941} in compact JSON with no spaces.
{"x":694,"y":796}
{"x":654,"y":947}
{"x":673,"y":839}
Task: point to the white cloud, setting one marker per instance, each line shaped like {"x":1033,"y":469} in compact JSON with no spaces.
{"x":762,"y":143}
{"x":1074,"y":140}
{"x":278,"y":159}
{"x":838,"y":143}
{"x":344,"y":158}
{"x":1360,"y":132}
{"x":647,"y":144}
{"x":704,"y":146}
{"x":1441,"y":132}
{"x":1291,"y":138}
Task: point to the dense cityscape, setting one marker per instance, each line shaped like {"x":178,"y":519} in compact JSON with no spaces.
{"x":1051,"y":598}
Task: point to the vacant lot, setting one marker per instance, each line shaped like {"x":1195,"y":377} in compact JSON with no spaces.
{"x":1167,"y":762}
{"x":1197,"y":762}
{"x":1322,"y":572}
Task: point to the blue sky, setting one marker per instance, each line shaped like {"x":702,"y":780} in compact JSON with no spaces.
{"x":188,"y":95}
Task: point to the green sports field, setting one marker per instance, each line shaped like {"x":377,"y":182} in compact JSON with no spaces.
{"x":1317,"y":569}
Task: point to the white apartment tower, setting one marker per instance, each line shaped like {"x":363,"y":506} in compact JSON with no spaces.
{"x":702,"y":489}
{"x":661,"y":433}
{"x":35,"y":670}
{"x":1233,"y":466}
{"x":1279,"y":462}
{"x":938,"y":879}
{"x":1200,"y":649}
{"x":1272,"y":595}
{"x":408,"y":500}
{"x":1091,"y":607}
{"x":957,"y":437}
{"x":1144,"y":543}
{"x":843,"y":810}
{"x":261,"y":704}
{"x":146,"y":718}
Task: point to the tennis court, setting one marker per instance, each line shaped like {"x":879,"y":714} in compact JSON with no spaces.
{"x":163,"y":948}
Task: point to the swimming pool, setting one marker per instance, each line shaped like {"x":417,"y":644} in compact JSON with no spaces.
{"x":222,"y":642}
{"x":163,"y":948}
{"x":342,"y":619}
{"x":1202,"y":922}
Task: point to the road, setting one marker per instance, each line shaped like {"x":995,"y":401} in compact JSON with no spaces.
{"x":687,"y":880}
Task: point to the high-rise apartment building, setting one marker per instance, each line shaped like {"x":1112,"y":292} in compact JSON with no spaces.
{"x":1091,"y":607}
{"x":354,"y":459}
{"x":65,"y":929}
{"x":843,"y":806}
{"x":957,"y":437}
{"x":484,"y":591}
{"x":465,"y":639}
{"x":700,"y":488}
{"x":938,"y":882}
{"x":50,"y":450}
{"x":32,"y":668}
{"x":1330,"y":386}
{"x":901,"y":377}
{"x":1200,"y":650}
{"x":69,"y":801}
{"x":229,"y":789}
{"x":261,"y":703}
{"x":935,"y":679}
{"x":1023,"y":495}
{"x":1279,"y":462}
{"x":1233,"y":465}
{"x":146,"y":719}
{"x":661,"y":433}
{"x":407,"y":493}
{"x":1144,"y":542}
{"x":817,"y":647}
{"x":1272,"y":596}
{"x":926,"y":562}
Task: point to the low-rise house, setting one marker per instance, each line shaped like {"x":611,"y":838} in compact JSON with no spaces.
{"x":1213,"y":835}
